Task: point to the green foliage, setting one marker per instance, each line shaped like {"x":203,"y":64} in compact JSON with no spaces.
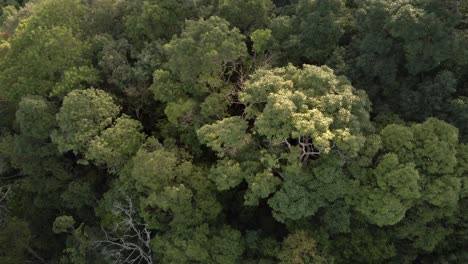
{"x":261,"y":185}
{"x":233,"y":131}
{"x":173,"y":186}
{"x":117,"y":144}
{"x":397,"y":189}
{"x":79,"y":194}
{"x":424,"y":48}
{"x":261,"y":38}
{"x":227,"y":174}
{"x":312,"y":102}
{"x":408,"y":53}
{"x":430,"y":97}
{"x":43,"y":48}
{"x":201,"y":63}
{"x":205,"y":52}
{"x":300,"y":248}
{"x":337,"y":217}
{"x":304,"y":192}
{"x":35,"y":117}
{"x":14,"y":237}
{"x":310,"y":106}
{"x":83,"y":115}
{"x":148,"y":20}
{"x":246,"y":15}
{"x":320,"y":18}
{"x":399,"y":186}
{"x":200,"y":244}
{"x":364,"y":246}
{"x":313,"y":32}
{"x":63,"y":224}
{"x":226,"y":137}
{"x":180,"y":112}
{"x":73,"y":79}
{"x":114,"y":61}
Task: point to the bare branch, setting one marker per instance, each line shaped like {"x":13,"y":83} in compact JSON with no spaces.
{"x":308,"y":149}
{"x":4,"y":192}
{"x":32,"y":252}
{"x":127,"y":241}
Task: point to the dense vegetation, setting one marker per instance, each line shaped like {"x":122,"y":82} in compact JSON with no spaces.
{"x":233,"y":131}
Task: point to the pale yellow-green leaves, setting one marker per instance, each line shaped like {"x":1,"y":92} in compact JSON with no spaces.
{"x":292,"y":116}
{"x":261,"y":38}
{"x":289,"y":103}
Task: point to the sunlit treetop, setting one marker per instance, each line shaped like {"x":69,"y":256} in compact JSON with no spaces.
{"x":309,"y":104}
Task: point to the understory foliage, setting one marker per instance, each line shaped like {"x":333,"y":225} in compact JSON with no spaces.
{"x":229,"y":131}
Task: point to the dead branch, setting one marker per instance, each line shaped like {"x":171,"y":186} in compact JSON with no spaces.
{"x":127,"y":241}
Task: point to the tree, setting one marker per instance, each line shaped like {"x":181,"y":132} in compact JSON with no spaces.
{"x":304,"y":191}
{"x":4,"y":192}
{"x":425,"y":48}
{"x":312,"y":106}
{"x":35,"y":117}
{"x":79,"y":245}
{"x":410,"y":67}
{"x":171,"y":186}
{"x":312,"y":32}
{"x":458,"y":115}
{"x":430,"y":98}
{"x":324,"y":19}
{"x":128,"y":72}
{"x":149,"y":20}
{"x":51,"y":37}
{"x":397,"y":190}
{"x":378,"y":54}
{"x":128,"y":241}
{"x":83,"y":115}
{"x":399,"y":186}
{"x":227,"y":137}
{"x":233,"y":131}
{"x":297,"y":115}
{"x":363,"y":245}
{"x":246,"y":15}
{"x":13,"y":14}
{"x":261,"y":38}
{"x":114,"y":62}
{"x":15,"y":237}
{"x":200,"y":244}
{"x":202,"y":63}
{"x":80,"y":194}
{"x":199,"y":60}
{"x":117,"y":144}
{"x":300,"y":248}
{"x":413,"y":187}
{"x":63,"y":224}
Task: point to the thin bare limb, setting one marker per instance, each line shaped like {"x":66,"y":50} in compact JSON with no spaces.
{"x":127,"y":241}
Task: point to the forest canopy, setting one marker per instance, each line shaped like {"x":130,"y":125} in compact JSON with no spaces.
{"x":233,"y":131}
